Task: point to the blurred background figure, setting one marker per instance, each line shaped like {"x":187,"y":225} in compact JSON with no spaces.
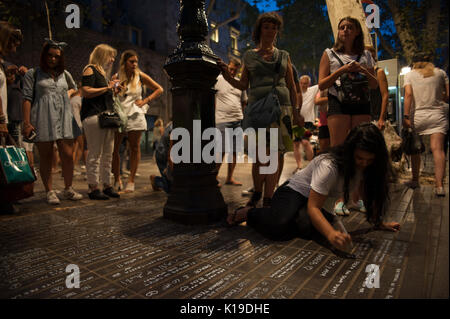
{"x":426,"y":87}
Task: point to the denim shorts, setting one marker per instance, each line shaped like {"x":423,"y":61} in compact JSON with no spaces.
{"x":335,"y":107}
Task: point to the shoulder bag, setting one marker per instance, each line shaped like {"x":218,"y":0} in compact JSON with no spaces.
{"x":266,"y":110}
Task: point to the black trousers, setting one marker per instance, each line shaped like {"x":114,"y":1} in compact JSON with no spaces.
{"x":285,"y":219}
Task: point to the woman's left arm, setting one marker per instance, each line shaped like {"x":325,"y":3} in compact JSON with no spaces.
{"x":382,"y":82}
{"x":150,"y":83}
{"x":289,"y":77}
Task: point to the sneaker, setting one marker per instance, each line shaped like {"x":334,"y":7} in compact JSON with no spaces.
{"x":110,"y":192}
{"x":341,"y":210}
{"x":248,"y":192}
{"x":52,"y":199}
{"x":359,"y":205}
{"x":96,"y":195}
{"x":153,"y":182}
{"x":71,"y":194}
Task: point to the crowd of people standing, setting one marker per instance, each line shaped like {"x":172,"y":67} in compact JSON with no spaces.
{"x":352,"y":170}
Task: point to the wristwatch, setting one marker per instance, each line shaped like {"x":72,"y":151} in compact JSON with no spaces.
{"x":406,"y":116}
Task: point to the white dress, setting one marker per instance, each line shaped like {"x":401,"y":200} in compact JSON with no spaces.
{"x":430,"y":114}
{"x":136,"y":115}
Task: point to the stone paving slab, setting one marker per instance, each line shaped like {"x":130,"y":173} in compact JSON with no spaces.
{"x":126,"y":249}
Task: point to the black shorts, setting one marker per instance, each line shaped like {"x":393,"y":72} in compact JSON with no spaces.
{"x":324,"y":132}
{"x":335,"y":107}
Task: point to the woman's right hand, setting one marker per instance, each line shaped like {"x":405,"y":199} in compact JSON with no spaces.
{"x":339,"y":240}
{"x":112,"y":83}
{"x":225,"y":72}
{"x":407,"y":123}
{"x":27,"y":129}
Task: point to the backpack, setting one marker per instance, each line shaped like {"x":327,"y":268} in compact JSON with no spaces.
{"x":354,"y":88}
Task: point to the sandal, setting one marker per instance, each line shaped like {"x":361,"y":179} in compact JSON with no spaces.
{"x":129,"y":188}
{"x":234,"y":221}
{"x":341,"y":210}
{"x":256,"y":196}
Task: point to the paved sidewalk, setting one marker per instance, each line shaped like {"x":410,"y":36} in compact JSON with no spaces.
{"x":125,"y":249}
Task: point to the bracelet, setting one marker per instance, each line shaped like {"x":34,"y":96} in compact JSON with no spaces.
{"x":406,"y":116}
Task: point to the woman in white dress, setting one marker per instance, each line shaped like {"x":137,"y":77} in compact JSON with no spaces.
{"x":132,"y":78}
{"x":427,"y":87}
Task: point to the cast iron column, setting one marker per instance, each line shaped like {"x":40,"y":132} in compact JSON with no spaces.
{"x":192,"y":68}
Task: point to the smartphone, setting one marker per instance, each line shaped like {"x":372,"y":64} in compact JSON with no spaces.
{"x":31,"y":137}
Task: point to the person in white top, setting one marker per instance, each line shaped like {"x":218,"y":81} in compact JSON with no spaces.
{"x":427,"y":88}
{"x":357,"y":63}
{"x":229,"y":105}
{"x":132,"y":78}
{"x":308,"y":113}
{"x":301,"y":206}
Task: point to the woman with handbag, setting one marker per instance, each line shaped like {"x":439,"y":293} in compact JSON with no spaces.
{"x":347,"y":71}
{"x":267,"y":68}
{"x":47,"y":114}
{"x":427,"y":86}
{"x":10,"y":39}
{"x":135,"y":107}
{"x":301,"y":206}
{"x":97,"y":94}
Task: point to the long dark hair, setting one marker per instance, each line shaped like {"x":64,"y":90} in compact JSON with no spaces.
{"x":358,"y":43}
{"x":43,"y":61}
{"x":376,"y":177}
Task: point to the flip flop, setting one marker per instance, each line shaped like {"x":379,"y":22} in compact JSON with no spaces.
{"x":234,"y":183}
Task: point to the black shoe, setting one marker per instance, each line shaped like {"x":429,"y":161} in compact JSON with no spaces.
{"x":254,"y":199}
{"x":110,"y":192}
{"x":95,"y":194}
{"x":8,"y":208}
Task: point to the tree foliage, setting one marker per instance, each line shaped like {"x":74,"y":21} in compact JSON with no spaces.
{"x":306,"y":33}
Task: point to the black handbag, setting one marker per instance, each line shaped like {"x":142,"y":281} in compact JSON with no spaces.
{"x":109,"y":119}
{"x":354,"y":88}
{"x":412,"y":143}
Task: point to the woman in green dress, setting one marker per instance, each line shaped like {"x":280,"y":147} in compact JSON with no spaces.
{"x":260,"y":66}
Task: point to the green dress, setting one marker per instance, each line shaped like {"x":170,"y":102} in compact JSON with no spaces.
{"x":261,"y":76}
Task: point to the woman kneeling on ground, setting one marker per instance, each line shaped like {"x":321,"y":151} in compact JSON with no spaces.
{"x":300,"y":206}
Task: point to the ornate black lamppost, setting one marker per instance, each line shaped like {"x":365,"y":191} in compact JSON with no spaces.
{"x":192,"y":68}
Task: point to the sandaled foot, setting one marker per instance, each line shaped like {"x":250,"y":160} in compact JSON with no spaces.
{"x":129,"y":188}
{"x":233,"y":182}
{"x":238,"y":216}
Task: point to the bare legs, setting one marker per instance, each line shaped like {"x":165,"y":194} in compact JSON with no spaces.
{"x":134,"y":140}
{"x":65,"y":150}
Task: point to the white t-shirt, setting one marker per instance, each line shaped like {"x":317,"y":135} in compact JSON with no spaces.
{"x":228,"y":101}
{"x":307,"y":110}
{"x":366,"y":61}
{"x":427,"y":91}
{"x":322,"y":175}
{"x":4,"y":93}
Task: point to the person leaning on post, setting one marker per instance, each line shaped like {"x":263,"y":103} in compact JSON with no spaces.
{"x":258,"y":76}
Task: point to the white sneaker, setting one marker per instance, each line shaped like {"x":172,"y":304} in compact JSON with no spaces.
{"x":71,"y":194}
{"x":52,"y":198}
